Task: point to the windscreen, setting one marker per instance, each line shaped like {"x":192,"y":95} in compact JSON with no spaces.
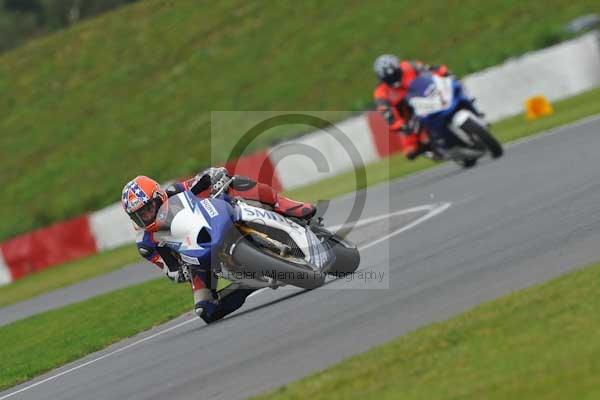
{"x":167,"y":212}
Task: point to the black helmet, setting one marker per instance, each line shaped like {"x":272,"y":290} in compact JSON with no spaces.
{"x":387,"y":68}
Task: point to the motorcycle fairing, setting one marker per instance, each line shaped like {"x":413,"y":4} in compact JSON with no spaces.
{"x":193,"y":227}
{"x":315,"y":252}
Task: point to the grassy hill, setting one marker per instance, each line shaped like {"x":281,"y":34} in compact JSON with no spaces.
{"x":131,"y":92}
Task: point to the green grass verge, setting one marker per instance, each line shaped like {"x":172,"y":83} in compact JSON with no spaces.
{"x":397,"y":166}
{"x":85,"y":109}
{"x":539,"y":343}
{"x":74,"y":272}
{"x":67,"y":274}
{"x":37,"y":344}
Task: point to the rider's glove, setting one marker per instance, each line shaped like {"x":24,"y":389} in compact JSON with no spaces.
{"x":172,"y":275}
{"x":411,"y":126}
{"x":208,"y":179}
{"x":215,"y":173}
{"x":178,"y":276}
{"x":218,"y":178}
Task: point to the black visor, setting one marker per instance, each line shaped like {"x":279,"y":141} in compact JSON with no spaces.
{"x":393,"y":78}
{"x":147,"y":214}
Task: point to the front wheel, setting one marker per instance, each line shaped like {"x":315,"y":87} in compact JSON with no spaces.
{"x":484,"y":136}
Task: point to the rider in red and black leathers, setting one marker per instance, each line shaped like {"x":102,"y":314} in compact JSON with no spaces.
{"x":389,"y":96}
{"x":142,"y":197}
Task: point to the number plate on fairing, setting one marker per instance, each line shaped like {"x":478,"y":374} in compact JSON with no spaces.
{"x":436,"y":97}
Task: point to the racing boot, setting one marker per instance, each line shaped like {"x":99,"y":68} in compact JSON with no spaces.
{"x":211,"y":310}
{"x":204,"y":298}
{"x":431,"y":152}
{"x":265,"y":194}
{"x":206,"y":310}
{"x":292,"y":208}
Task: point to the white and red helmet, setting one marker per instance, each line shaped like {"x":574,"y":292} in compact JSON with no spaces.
{"x":141,"y":199}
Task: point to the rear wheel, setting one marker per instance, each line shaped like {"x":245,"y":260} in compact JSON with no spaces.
{"x":347,"y":257}
{"x":484,"y":136}
{"x":258,"y":263}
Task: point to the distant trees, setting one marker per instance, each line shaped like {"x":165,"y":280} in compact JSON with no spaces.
{"x":21,"y":20}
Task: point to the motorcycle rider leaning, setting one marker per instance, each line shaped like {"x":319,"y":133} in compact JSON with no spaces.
{"x":395,"y":77}
{"x":141,"y":200}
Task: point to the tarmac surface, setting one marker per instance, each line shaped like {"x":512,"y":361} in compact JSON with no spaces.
{"x":432,"y":245}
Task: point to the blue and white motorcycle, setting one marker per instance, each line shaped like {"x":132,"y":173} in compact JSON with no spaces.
{"x":456,"y":129}
{"x":250,"y":246}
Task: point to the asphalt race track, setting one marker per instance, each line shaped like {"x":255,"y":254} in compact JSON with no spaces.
{"x":502,"y":226}
{"x":118,"y":279}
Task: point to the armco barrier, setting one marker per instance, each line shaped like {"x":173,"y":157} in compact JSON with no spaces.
{"x":385,"y":143}
{"x":556,"y":72}
{"x":323,"y":154}
{"x":56,"y":244}
{"x":5,"y":275}
{"x":111,"y":227}
{"x":257,"y":166}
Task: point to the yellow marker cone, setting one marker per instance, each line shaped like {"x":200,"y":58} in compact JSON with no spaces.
{"x":537,"y":106}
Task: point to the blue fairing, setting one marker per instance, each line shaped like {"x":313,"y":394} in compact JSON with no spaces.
{"x":220,"y":216}
{"x":437,"y":123}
